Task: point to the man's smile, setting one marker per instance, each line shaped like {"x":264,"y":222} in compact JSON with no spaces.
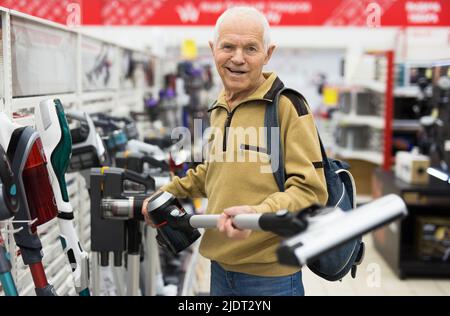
{"x":235,"y":72}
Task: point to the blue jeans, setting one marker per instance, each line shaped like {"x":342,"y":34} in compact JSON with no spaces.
{"x":227,"y":283}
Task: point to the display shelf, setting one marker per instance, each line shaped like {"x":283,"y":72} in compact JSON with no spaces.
{"x":371,"y":156}
{"x":130,"y":93}
{"x":80,"y":97}
{"x":98,"y":106}
{"x":406,"y":91}
{"x":397,"y":242}
{"x":95,"y":96}
{"x":377,"y":86}
{"x":353,"y":119}
{"x":368,"y":102}
{"x":406,"y":125}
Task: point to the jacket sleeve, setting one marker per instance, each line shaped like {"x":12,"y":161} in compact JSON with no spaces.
{"x":192,"y":185}
{"x":305,"y":179}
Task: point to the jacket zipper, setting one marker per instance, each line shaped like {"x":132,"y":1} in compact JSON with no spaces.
{"x":229,"y":117}
{"x":225,"y":130}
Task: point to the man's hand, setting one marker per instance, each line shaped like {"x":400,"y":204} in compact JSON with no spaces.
{"x":144,"y":209}
{"x":225,"y":222}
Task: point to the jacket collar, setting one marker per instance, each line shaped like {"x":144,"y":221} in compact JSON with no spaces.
{"x":266,"y":92}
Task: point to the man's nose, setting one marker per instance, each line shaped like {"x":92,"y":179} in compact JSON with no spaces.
{"x":238,"y":57}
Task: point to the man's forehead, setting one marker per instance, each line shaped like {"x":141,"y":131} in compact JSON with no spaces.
{"x":240,"y":30}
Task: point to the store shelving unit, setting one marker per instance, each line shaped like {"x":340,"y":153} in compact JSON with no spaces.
{"x":398,"y":243}
{"x":370,"y":156}
{"x":396,"y":93}
{"x":406,"y":126}
{"x":33,"y":48}
{"x":413,"y":247}
{"x":367,"y":104}
{"x":363,"y":121}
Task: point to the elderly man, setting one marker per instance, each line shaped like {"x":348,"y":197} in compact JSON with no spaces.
{"x":245,"y":262}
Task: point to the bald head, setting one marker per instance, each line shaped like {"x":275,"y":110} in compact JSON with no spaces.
{"x":240,"y":14}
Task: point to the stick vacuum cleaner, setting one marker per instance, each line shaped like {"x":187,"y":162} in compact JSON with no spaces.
{"x":110,"y":230}
{"x":88,"y":150}
{"x":309,"y":233}
{"x":52,"y":125}
{"x":37,"y":201}
{"x":9,"y":205}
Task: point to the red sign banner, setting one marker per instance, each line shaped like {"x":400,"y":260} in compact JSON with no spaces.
{"x":360,"y":13}
{"x":61,"y":11}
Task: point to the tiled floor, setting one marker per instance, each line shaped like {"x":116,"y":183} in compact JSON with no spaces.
{"x":374,"y":277}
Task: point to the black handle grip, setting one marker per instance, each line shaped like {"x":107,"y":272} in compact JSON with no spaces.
{"x":79,"y":134}
{"x":137,"y":207}
{"x":8,"y":193}
{"x":121,"y":119}
{"x":156,"y":163}
{"x":146,"y":180}
{"x":106,"y":125}
{"x":101,"y":123}
{"x":135,"y":115}
{"x":283,"y":223}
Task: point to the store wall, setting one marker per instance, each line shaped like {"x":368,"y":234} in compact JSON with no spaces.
{"x":300,"y":68}
{"x":413,"y":43}
{"x":302,"y":53}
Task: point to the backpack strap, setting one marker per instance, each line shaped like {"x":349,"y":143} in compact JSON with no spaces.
{"x":271,"y":119}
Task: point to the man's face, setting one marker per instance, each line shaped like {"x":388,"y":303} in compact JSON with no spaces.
{"x":240,"y":55}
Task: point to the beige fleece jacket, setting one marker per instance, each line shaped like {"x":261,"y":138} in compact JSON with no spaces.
{"x":237,"y":172}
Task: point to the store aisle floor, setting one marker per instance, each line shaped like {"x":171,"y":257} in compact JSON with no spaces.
{"x":374,"y":277}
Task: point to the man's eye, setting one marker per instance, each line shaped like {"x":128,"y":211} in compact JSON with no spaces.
{"x":227,"y":47}
{"x":252,"y":49}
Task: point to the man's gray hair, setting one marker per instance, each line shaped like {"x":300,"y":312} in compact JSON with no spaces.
{"x":242,"y":10}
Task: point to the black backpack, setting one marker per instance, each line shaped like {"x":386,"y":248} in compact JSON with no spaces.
{"x":334,"y":264}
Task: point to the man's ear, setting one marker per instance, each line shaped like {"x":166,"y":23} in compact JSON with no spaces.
{"x":211,"y":45}
{"x":269,"y":54}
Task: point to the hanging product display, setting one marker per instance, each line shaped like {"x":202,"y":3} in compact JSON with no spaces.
{"x":8,"y":207}
{"x":37,"y":202}
{"x":52,"y":125}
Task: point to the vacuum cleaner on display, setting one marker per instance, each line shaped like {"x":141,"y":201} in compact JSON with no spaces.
{"x":126,"y":124}
{"x":141,"y":163}
{"x":136,"y":161}
{"x":52,"y":125}
{"x":9,"y":205}
{"x":88,"y":150}
{"x":308,"y":233}
{"x":435,"y":139}
{"x":113,"y":135}
{"x":109,"y":228}
{"x":154,"y":151}
{"x":130,"y":210}
{"x":36,"y":199}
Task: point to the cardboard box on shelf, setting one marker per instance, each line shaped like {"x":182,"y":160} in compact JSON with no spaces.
{"x":411,"y":167}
